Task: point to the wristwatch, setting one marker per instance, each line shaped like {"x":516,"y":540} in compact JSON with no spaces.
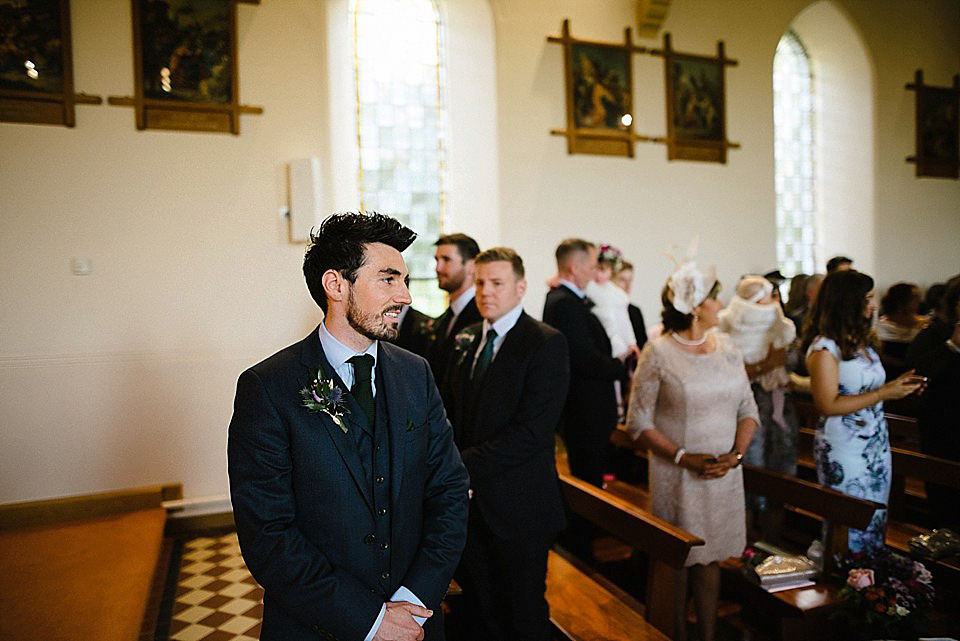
{"x":739,"y":457}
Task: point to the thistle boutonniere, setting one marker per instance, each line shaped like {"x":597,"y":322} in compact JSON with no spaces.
{"x":463,"y":341}
{"x":323,"y":396}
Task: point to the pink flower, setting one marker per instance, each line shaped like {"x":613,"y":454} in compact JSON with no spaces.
{"x":860,"y":578}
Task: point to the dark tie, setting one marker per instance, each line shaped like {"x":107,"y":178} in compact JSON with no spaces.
{"x":362,"y":389}
{"x":486,"y":355}
{"x":444,"y":321}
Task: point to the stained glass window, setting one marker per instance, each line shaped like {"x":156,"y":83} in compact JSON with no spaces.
{"x":400,"y":126}
{"x":794,"y":175}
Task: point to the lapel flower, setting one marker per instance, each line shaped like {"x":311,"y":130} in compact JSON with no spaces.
{"x":462,"y":342}
{"x":428,"y":329}
{"x":323,"y":396}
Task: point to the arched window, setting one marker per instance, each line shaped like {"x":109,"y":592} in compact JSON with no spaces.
{"x":794,"y":157}
{"x":399,"y":76}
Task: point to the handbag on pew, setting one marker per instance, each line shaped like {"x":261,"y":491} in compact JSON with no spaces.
{"x":774,"y":567}
{"x":935,"y":545}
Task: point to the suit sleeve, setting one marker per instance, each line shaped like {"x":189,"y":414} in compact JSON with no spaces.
{"x":585,"y":358}
{"x":296,"y":574}
{"x":533,"y":425}
{"x":445,"y":505}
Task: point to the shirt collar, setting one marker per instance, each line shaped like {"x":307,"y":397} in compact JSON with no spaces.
{"x":462,"y":300}
{"x":338,"y":353}
{"x":505,"y":323}
{"x":576,"y":290}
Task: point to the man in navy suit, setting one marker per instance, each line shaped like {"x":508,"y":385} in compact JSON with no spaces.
{"x":505,"y":388}
{"x":590,"y":412}
{"x":349,"y":495}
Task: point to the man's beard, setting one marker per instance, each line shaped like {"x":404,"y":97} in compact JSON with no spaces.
{"x":453,"y":283}
{"x":372,"y":326}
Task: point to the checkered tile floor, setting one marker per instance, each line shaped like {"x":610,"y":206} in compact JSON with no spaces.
{"x":216,"y":598}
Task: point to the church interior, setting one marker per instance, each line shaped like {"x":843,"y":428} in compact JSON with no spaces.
{"x":143,"y":269}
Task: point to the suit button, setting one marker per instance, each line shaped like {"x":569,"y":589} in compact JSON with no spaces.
{"x":370,"y":539}
{"x":385,"y":576}
{"x":379,"y":479}
{"x":377,"y":448}
{"x":384,"y":546}
{"x":382,"y":511}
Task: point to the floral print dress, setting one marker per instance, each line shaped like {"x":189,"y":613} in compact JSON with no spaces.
{"x":852,"y":452}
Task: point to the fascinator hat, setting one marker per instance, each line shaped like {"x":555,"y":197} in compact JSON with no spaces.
{"x":689,"y":285}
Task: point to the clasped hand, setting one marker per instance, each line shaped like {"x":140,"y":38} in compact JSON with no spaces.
{"x":398,"y":623}
{"x":708,"y":466}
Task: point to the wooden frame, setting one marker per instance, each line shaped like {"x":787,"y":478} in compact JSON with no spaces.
{"x":36,"y":78}
{"x":185,"y":66}
{"x":937,"y":141}
{"x":599,"y":95}
{"x":696,"y":104}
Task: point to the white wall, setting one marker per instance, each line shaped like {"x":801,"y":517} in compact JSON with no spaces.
{"x":126,"y":376}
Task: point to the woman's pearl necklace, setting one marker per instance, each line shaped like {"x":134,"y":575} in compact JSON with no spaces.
{"x":697,"y":342}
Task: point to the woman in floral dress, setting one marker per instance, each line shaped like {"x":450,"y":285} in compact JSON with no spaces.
{"x":852,"y":446}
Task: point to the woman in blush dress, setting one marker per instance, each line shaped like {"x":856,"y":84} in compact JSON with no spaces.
{"x":691,"y":405}
{"x":852,"y":446}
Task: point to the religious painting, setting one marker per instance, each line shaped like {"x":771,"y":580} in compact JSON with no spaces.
{"x":36,"y":68}
{"x":601,"y":87}
{"x":696,"y":104}
{"x":185,"y":66}
{"x":599,"y":95}
{"x":937,"y":140}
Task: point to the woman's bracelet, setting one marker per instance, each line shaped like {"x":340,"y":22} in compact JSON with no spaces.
{"x":678,"y":455}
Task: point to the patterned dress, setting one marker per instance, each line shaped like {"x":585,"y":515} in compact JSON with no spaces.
{"x":696,"y":400}
{"x":852,"y":452}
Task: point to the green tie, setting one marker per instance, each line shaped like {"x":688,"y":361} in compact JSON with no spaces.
{"x":362,"y":389}
{"x":486,"y":355}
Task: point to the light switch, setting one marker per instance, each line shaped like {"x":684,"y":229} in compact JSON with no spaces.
{"x":81,"y":266}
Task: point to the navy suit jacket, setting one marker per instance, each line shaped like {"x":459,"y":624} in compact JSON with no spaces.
{"x":303,"y":507}
{"x":505,"y":427}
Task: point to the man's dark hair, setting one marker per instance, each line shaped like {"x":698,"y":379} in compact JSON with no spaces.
{"x":496,"y":254}
{"x":466,"y":246}
{"x":836,"y":261}
{"x":569,"y":247}
{"x":340,"y":242}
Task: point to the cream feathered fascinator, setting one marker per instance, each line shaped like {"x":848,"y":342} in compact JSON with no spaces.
{"x":689,"y":286}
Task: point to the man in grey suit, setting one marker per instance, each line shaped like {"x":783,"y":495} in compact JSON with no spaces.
{"x":349,"y":495}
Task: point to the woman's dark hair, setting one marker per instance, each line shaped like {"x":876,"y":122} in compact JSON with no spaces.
{"x":838,"y":313}
{"x":797,"y":297}
{"x":340,"y":244}
{"x":674,"y":321}
{"x":898,"y":297}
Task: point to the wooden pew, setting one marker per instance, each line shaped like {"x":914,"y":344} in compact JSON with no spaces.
{"x":666,"y":545}
{"x":83,"y":567}
{"x":584,"y":607}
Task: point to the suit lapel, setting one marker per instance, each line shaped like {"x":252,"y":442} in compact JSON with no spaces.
{"x":312,"y":357}
{"x":388,"y":391}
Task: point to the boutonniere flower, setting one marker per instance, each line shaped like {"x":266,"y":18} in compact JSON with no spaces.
{"x":428,"y":328}
{"x":323,"y":396}
{"x":463,"y":341}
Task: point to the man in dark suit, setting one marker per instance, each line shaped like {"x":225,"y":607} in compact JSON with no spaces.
{"x":414,"y":332}
{"x":590,"y":411}
{"x":455,"y":254}
{"x":505,"y":389}
{"x":349,"y":495}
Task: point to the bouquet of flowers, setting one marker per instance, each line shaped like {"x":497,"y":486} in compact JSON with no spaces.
{"x":882,"y":593}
